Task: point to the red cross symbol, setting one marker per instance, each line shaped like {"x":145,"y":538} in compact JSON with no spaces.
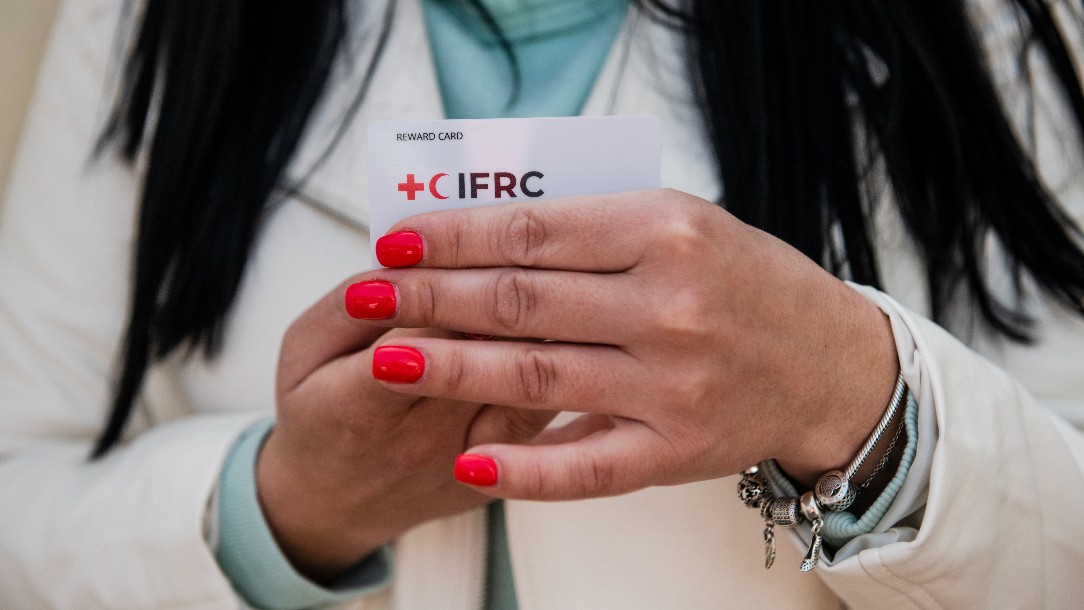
{"x":410,"y":187}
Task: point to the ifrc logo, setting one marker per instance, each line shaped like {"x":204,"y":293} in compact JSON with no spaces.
{"x":410,"y":187}
{"x":484,"y":185}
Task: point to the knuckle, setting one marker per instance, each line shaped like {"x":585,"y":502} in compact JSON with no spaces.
{"x":579,"y":478}
{"x":536,"y":376}
{"x":688,"y":304}
{"x":683,"y":232}
{"x":694,"y":388}
{"x":425,"y":302}
{"x":514,"y":301}
{"x":523,"y":237}
{"x":455,"y":372}
{"x":682,"y":315}
{"x":592,"y":477}
{"x":459,"y":237}
{"x":680,"y":240}
{"x":533,"y":482}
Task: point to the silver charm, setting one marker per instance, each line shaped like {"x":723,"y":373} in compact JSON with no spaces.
{"x":755,"y":492}
{"x":834,"y":491}
{"x":769,"y":543}
{"x":813,"y":555}
{"x":812,"y":512}
{"x":784,"y":512}
{"x":753,"y":488}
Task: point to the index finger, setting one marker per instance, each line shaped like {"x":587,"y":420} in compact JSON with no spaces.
{"x":605,"y":233}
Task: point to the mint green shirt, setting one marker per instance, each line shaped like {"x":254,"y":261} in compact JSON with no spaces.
{"x":559,"y":48}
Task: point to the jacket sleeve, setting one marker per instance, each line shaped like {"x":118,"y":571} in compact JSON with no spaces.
{"x":126,"y":531}
{"x":1007,"y":476}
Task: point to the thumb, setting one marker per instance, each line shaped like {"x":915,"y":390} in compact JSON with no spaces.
{"x":608,"y":462}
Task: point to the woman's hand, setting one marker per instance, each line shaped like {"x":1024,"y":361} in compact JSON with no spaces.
{"x":695,"y":344}
{"x":351,"y":465}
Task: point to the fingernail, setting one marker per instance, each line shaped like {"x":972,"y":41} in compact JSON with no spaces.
{"x":371,"y":300}
{"x":398,"y":364}
{"x":402,"y":249}
{"x":476,"y":470}
{"x":477,"y":337}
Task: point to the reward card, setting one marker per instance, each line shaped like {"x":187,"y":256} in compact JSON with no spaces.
{"x":421,"y":166}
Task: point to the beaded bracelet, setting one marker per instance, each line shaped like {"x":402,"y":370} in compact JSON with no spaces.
{"x":833,"y":491}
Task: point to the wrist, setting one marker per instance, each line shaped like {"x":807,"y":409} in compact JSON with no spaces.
{"x":839,"y":421}
{"x":311,"y":518}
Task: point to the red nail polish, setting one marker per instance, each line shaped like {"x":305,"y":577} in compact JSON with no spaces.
{"x":398,"y":364}
{"x":371,"y":300}
{"x":402,"y":249}
{"x":476,"y":470}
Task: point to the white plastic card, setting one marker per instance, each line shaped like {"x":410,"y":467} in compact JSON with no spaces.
{"x":421,"y":166}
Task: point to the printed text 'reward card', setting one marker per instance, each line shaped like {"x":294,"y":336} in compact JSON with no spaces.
{"x":421,"y":166}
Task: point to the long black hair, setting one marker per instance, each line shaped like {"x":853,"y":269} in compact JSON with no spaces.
{"x":800,"y":100}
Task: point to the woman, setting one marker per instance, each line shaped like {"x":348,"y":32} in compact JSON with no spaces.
{"x":697,"y":344}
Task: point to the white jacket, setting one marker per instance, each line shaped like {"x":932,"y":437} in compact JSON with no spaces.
{"x":1001,"y":527}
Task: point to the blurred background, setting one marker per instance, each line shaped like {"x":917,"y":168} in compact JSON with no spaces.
{"x":24,"y":29}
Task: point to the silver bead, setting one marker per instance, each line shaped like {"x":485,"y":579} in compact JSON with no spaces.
{"x":834,"y":491}
{"x":784,"y":512}
{"x":753,"y":488}
{"x":810,"y":509}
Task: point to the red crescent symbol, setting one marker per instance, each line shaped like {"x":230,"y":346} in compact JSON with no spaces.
{"x":433,"y":186}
